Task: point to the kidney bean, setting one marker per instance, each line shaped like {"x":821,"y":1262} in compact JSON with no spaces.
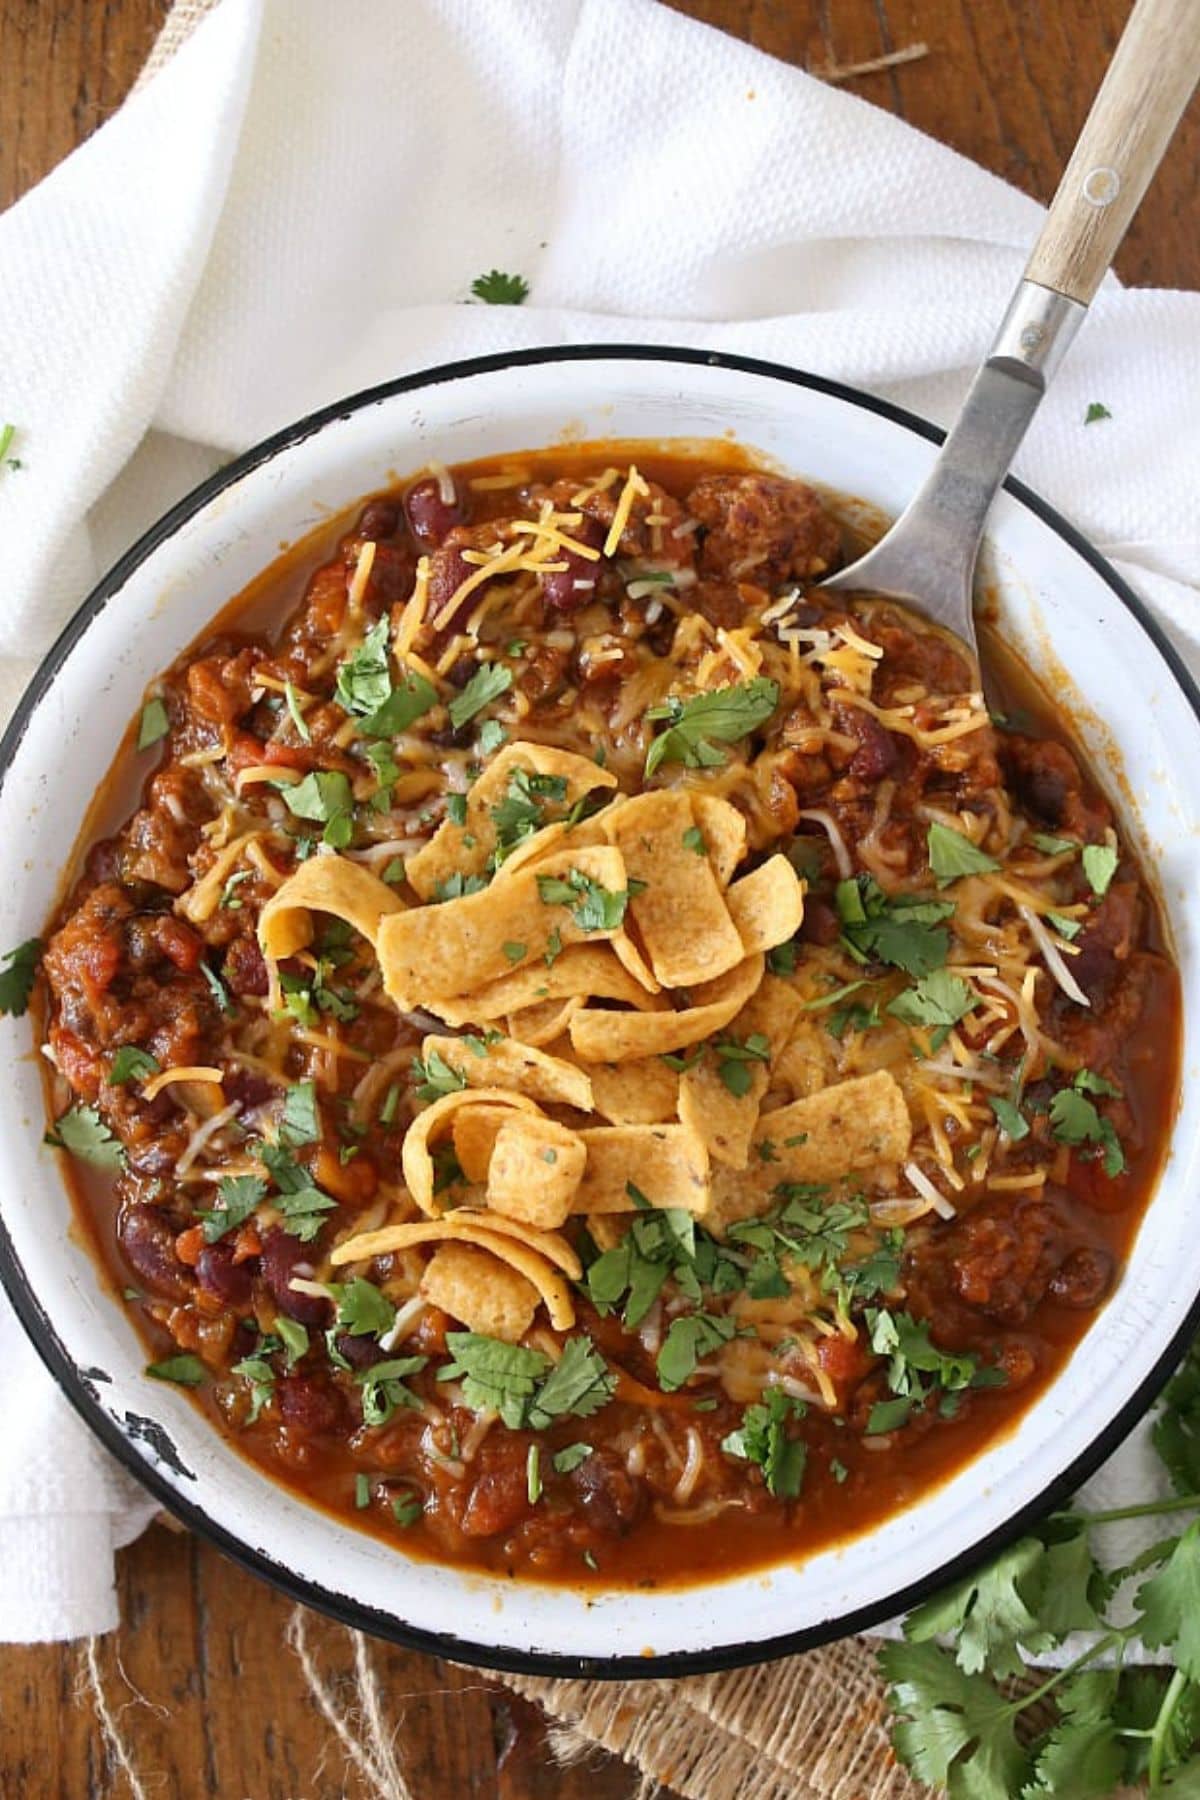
{"x":282,"y":1257}
{"x":309,"y":1403}
{"x":380,"y":519}
{"x":429,"y":516}
{"x":148,"y":1243}
{"x":217,"y":1272}
{"x":497,"y":1500}
{"x":566,"y":590}
{"x":877,"y":755}
{"x":245,"y":971}
{"x":359,"y":1352}
{"x":247,"y":1089}
{"x":1083,"y":1278}
{"x":610,"y":1497}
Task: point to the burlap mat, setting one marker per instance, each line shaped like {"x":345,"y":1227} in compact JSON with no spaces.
{"x":807,"y":1728}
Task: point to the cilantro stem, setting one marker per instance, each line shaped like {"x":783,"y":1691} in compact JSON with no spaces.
{"x":1109,"y":1641}
{"x":1162,"y":1724}
{"x":1147,"y":1510}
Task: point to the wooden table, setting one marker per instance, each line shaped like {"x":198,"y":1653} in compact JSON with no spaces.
{"x":200,"y":1677}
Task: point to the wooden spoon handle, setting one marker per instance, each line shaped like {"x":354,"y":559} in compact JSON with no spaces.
{"x":1148,"y":84}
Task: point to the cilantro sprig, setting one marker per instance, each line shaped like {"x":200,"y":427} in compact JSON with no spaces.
{"x":524,"y":1386}
{"x":695,"y":727}
{"x":1108,"y":1726}
{"x":900,"y":929}
{"x":497,"y":288}
{"x":16,"y":979}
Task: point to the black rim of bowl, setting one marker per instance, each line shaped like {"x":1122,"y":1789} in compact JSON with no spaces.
{"x":134,"y":1453}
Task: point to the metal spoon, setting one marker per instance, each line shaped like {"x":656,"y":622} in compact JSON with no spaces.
{"x":927,"y":558}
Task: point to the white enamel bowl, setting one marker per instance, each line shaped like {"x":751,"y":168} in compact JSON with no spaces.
{"x":1059,"y":604}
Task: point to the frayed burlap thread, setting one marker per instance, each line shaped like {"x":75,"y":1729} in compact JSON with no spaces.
{"x":807,"y":1728}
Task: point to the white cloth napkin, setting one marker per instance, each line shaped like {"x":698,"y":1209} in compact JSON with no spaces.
{"x":296,"y":207}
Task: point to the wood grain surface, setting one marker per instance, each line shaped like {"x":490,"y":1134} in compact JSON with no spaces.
{"x":201,"y":1681}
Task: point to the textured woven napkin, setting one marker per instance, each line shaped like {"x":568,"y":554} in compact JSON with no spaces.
{"x":293,"y":207}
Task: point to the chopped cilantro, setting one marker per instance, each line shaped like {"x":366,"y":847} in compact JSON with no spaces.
{"x":16,"y":981}
{"x":489,"y":681}
{"x":458,"y":885}
{"x":1096,"y":411}
{"x":83,"y":1133}
{"x":734,"y":1060}
{"x":131,"y":1064}
{"x":238,"y":1196}
{"x":938,"y":999}
{"x":362,"y":1491}
{"x":1075,"y":1120}
{"x":688,"y":1339}
{"x":592,"y":906}
{"x":407,"y":1509}
{"x":364,"y":1310}
{"x":364,"y":681}
{"x":1067,"y":928}
{"x":294,"y":1337}
{"x":1099,"y":866}
{"x":298,"y":719}
{"x":230,"y":901}
{"x":395,"y":872}
{"x":899,"y":929}
{"x":1010,"y":1119}
{"x":153,"y":725}
{"x":301,"y":1121}
{"x":693,"y":840}
{"x":533,"y":1475}
{"x":762,"y":1438}
{"x":513,"y":951}
{"x":185,"y":1370}
{"x":782,"y":959}
{"x":696,"y":726}
{"x":456,"y":808}
{"x":301,"y":1203}
{"x":570,"y":1458}
{"x":383,"y":1387}
{"x":1050,"y":845}
{"x":498,"y":289}
{"x":952,"y":855}
{"x":434,"y":1077}
{"x":523,"y":1386}
{"x":491,"y":735}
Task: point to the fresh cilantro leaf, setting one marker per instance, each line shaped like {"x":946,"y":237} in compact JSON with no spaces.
{"x":762,"y":1438}
{"x":1010,"y":1119}
{"x":937,"y":999}
{"x":696,"y":726}
{"x":458,"y":885}
{"x":364,"y":680}
{"x":522,"y":809}
{"x":514,"y":951}
{"x":153,"y":725}
{"x":498,"y":289}
{"x":1050,"y":845}
{"x":456,"y":808}
{"x":301,"y":1122}
{"x":1083,"y":1757}
{"x":294,"y":1337}
{"x":570,"y":1458}
{"x":16,"y":981}
{"x":941,"y":1711}
{"x":362,"y":1491}
{"x":899,"y":929}
{"x":533,"y":1475}
{"x":1067,"y":928}
{"x":230,"y":901}
{"x":323,"y":794}
{"x":364,"y":1310}
{"x":991,"y":1611}
{"x":383,"y":1387}
{"x":952,"y":855}
{"x":688,"y":1339}
{"x":185,"y":1370}
{"x":496,"y":1377}
{"x":131,"y":1064}
{"x":407,"y":1509}
{"x":1088,"y":1082}
{"x":1168,"y":1605}
{"x":238,"y":1195}
{"x":435,"y":1077}
{"x":489,"y":681}
{"x":579,"y":1384}
{"x":693,"y":840}
{"x":395,"y":872}
{"x":734,"y":1062}
{"x":298,"y":720}
{"x":1074,"y":1120}
{"x":300,"y":1201}
{"x":592,"y":906}
{"x":1096,"y":410}
{"x":83,"y":1133}
{"x":913,"y":1355}
{"x":258,"y":1371}
{"x":1176,"y":1432}
{"x":1099,"y":866}
{"x":491,"y":735}
{"x":832,"y":999}
{"x":782,"y":959}
{"x":888,"y":1415}
{"x":411,"y":697}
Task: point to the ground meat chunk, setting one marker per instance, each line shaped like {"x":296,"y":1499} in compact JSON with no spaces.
{"x":763,"y":528}
{"x":1106,"y":941}
{"x":653,"y":531}
{"x":1047,"y":780}
{"x":1003,"y":1258}
{"x":611,"y":1499}
{"x":499,"y":1497}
